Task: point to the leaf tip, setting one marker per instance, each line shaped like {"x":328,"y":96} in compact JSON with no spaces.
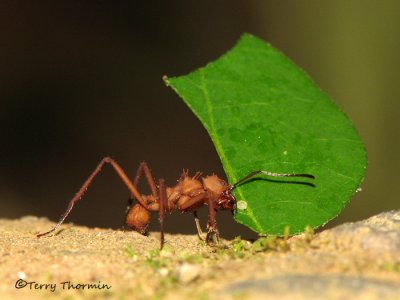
{"x":166,"y":80}
{"x":250,"y":36}
{"x":247,"y":35}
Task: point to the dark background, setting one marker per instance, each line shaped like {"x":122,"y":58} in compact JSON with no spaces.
{"x":82,"y":79}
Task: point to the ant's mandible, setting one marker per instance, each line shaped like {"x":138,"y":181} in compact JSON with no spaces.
{"x":187,"y":195}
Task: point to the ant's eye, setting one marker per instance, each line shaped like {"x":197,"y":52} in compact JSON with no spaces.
{"x":222,"y":182}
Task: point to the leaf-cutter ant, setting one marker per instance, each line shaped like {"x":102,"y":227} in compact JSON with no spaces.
{"x":187,"y":195}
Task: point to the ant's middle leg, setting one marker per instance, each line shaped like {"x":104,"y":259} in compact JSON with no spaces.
{"x":192,"y":204}
{"x":163,"y":208}
{"x":198,"y":227}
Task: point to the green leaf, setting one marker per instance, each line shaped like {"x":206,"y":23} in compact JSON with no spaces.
{"x":264,"y":113}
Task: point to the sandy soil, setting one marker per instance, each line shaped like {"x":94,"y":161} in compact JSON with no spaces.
{"x":92,"y":263}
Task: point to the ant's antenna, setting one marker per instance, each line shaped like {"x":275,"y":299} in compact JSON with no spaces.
{"x":252,"y":174}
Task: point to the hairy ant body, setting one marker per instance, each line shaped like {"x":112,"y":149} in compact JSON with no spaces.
{"x":187,"y":195}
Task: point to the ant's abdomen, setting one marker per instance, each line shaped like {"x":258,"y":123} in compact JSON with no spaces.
{"x":138,"y":218}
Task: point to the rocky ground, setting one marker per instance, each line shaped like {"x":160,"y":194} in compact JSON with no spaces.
{"x":358,"y":260}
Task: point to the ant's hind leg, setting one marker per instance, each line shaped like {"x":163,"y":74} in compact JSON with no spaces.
{"x":143,"y":168}
{"x":121,"y":173}
{"x":199,"y":231}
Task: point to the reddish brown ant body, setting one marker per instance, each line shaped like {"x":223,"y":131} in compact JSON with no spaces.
{"x":189,"y":194}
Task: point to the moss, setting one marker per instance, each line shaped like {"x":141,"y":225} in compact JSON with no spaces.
{"x":194,"y":258}
{"x":155,"y":260}
{"x":166,"y":285}
{"x":271,"y":243}
{"x":131,"y":252}
{"x":309,"y":234}
{"x":392,"y":267}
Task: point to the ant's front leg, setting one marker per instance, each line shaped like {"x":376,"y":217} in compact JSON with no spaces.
{"x":212,"y":231}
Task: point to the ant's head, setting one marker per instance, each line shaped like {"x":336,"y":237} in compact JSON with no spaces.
{"x":222,"y":191}
{"x":226,"y":200}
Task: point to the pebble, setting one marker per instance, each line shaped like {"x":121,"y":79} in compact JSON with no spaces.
{"x":187,"y":272}
{"x":378,"y":235}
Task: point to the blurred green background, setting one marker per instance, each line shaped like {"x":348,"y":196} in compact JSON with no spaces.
{"x":82,"y":79}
